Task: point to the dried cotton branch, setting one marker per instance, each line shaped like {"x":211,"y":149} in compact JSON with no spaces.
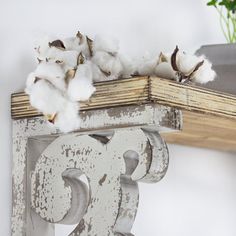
{"x":67,"y":69}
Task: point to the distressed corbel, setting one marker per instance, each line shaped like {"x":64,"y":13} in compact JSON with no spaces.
{"x":90,"y":177}
{"x":108,"y":205}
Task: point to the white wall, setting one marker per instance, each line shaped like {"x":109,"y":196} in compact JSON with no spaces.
{"x":197,"y":197}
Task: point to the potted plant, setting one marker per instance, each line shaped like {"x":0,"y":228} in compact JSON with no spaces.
{"x":223,"y":56}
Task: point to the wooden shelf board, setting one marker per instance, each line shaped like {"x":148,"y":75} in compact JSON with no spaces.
{"x":209,"y":117}
{"x":206,"y":131}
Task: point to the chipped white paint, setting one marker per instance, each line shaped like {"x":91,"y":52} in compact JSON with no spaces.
{"x":160,"y":117}
{"x":19,"y":184}
{"x":155,"y":117}
{"x":103,"y":164}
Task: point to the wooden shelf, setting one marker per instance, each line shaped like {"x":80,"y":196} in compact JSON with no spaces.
{"x":209,"y":117}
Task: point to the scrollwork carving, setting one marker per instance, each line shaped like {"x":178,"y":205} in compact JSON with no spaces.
{"x":108,"y":204}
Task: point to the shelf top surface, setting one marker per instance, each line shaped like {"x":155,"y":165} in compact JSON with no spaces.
{"x":211,"y":114}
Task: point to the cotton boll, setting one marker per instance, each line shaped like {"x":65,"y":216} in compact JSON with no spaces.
{"x":66,"y":58}
{"x":30,"y":82}
{"x":147,"y":66}
{"x":72,"y":44}
{"x":84,"y":45}
{"x":165,"y":70}
{"x":106,"y":57}
{"x":81,"y":87}
{"x":204,"y":74}
{"x":46,"y":98}
{"x":53,"y":73}
{"x":48,"y":53}
{"x":48,"y":47}
{"x":108,"y":64}
{"x":97,"y":73}
{"x":60,"y":55}
{"x":105,"y":45}
{"x":128,"y":66}
{"x":68,"y":119}
{"x":80,"y":45}
{"x":186,"y":63}
{"x":42,"y":47}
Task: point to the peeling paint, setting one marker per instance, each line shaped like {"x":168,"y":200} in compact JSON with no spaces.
{"x":113,"y":204}
{"x":100,"y":160}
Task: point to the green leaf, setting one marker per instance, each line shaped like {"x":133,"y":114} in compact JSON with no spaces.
{"x":228,"y":4}
{"x":212,"y":3}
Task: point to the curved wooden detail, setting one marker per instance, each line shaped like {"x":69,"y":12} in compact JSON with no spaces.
{"x":112,"y":167}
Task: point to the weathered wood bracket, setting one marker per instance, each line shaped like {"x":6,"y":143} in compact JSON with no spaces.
{"x":108,"y":206}
{"x":88,"y":178}
{"x":209,"y":117}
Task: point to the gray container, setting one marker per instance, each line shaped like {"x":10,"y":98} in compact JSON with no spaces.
{"x":223,"y":58}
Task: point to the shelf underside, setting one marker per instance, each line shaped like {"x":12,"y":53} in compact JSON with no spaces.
{"x":209,"y":117}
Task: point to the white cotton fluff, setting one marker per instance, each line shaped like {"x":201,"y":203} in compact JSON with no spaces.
{"x":63,"y":77}
{"x":72,"y":44}
{"x":128,"y":66}
{"x":186,"y":63}
{"x":80,"y":88}
{"x":78,"y":44}
{"x":46,"y":98}
{"x":42,"y":47}
{"x":98,"y":75}
{"x":68,"y":59}
{"x":106,"y":57}
{"x":105,"y":45}
{"x":204,"y":74}
{"x":146,"y":65}
{"x":52,"y":72}
{"x":68,"y":119}
{"x":30,"y":82}
{"x":108,"y":63}
{"x":164,"y":70}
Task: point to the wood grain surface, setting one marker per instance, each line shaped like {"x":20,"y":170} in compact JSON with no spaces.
{"x":209,"y":117}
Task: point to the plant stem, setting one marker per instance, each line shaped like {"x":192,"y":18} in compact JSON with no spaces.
{"x":233,"y":23}
{"x":224,"y":20}
{"x":234,"y":28}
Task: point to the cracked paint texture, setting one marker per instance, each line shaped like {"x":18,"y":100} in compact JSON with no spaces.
{"x":113,"y":198}
{"x":148,"y":170}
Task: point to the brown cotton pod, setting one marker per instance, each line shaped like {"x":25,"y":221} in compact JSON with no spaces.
{"x":90,"y":45}
{"x":106,"y":73}
{"x":70,"y":74}
{"x":39,"y":60}
{"x":80,"y":59}
{"x":80,"y":36}
{"x":58,"y":44}
{"x":113,"y":54}
{"x":37,"y":79}
{"x":37,"y":49}
{"x":59,"y":62}
{"x":162,"y":58}
{"x":51,"y":117}
{"x":174,"y":59}
{"x":195,"y":69}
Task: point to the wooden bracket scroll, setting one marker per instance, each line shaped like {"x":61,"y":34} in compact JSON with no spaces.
{"x":88,"y":178}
